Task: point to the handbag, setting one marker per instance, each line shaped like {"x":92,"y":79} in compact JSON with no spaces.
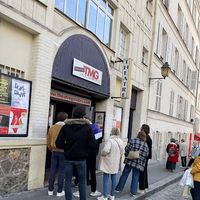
{"x":133,"y":155}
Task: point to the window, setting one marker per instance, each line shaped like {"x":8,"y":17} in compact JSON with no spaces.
{"x":145,"y":56}
{"x":197,"y":55}
{"x":179,"y":106}
{"x":185,"y":110}
{"x":176,"y":61}
{"x":192,"y":48}
{"x":191,"y":113}
{"x":186,"y":34}
{"x":158,"y":95}
{"x":194,"y":10}
{"x":171,"y":106}
{"x":122,"y":43}
{"x":11,"y":71}
{"x":184,"y":72}
{"x":180,"y":20}
{"x":97,"y":16}
{"x":164,"y":45}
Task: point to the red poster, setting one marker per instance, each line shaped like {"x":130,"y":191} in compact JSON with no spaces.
{"x":4,"y":119}
{"x":18,"y":120}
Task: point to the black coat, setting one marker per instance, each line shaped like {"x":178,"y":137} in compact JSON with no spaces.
{"x":77,"y":139}
{"x":149,"y":144}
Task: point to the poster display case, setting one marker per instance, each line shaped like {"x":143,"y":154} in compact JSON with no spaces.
{"x":14,"y":106}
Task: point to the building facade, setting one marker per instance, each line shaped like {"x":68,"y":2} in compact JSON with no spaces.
{"x":172,"y":102}
{"x":58,"y":54}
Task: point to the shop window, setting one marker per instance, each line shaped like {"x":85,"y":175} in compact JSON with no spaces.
{"x":95,"y":15}
{"x":11,"y":71}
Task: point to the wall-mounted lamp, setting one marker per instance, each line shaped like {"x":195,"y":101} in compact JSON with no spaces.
{"x":165,"y":69}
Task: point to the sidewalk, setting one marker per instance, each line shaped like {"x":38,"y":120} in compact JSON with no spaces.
{"x":158,"y":179}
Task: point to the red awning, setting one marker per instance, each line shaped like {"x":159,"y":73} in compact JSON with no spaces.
{"x":197,"y":137}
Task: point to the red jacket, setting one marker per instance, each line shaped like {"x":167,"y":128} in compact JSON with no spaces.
{"x":172,"y":159}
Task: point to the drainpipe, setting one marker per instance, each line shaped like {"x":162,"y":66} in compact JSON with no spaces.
{"x":152,"y":53}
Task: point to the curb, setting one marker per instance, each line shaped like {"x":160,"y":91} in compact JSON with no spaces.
{"x":153,"y":188}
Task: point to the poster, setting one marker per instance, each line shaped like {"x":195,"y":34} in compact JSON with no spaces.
{"x":5,"y":84}
{"x":14,"y":106}
{"x":117,"y":117}
{"x":20,"y":94}
{"x":100,"y":120}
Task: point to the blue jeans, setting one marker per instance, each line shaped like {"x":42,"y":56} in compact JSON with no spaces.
{"x":124,"y":176}
{"x":57,"y":162}
{"x":106,"y":184}
{"x":81,"y":175}
{"x":195,"y":191}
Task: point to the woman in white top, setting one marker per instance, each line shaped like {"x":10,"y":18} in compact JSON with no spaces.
{"x":109,"y":163}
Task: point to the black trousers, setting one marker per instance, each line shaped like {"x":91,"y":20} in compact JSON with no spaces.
{"x":190,"y":162}
{"x":143,"y":178}
{"x":183,"y":161}
{"x":91,"y":171}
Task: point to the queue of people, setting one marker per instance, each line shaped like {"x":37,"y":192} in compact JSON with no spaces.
{"x":74,"y":144}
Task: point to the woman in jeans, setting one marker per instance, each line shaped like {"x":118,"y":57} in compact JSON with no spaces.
{"x":195,"y":192}
{"x":109,"y":163}
{"x":136,"y":165}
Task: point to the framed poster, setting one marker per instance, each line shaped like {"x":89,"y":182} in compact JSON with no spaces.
{"x":99,"y":119}
{"x":117,"y":117}
{"x":14,"y":106}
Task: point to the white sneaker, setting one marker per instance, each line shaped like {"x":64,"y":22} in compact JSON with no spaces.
{"x":76,"y":194}
{"x":95,"y":194}
{"x":60,"y":194}
{"x":50,"y":193}
{"x":111,"y":197}
{"x":141,"y":191}
{"x":102,"y":198}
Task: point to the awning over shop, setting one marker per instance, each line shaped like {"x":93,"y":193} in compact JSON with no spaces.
{"x":197,"y":137}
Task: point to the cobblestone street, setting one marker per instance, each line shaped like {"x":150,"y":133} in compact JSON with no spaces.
{"x":172,"y":192}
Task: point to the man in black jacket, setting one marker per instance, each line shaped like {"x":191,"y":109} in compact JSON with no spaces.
{"x":77,"y":139}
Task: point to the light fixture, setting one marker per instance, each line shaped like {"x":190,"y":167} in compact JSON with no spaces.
{"x":165,"y":69}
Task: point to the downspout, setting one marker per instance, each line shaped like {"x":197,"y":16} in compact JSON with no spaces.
{"x":152,"y":54}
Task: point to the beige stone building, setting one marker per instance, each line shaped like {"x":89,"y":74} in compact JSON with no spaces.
{"x":61,"y":53}
{"x":173,"y":101}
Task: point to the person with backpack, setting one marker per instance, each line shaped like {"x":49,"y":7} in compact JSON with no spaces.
{"x":172,"y":155}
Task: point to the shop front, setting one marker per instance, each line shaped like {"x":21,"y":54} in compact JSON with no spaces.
{"x":80,"y":76}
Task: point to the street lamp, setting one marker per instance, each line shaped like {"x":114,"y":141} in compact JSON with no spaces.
{"x":165,"y":69}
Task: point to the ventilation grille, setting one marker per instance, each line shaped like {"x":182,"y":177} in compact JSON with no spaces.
{"x":11,"y":71}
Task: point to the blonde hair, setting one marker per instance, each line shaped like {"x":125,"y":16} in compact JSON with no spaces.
{"x":115,"y":131}
{"x":142,"y":135}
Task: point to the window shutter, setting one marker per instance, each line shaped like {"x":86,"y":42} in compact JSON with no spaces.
{"x":193,"y":80}
{"x":159,"y":40}
{"x":186,"y":110}
{"x":172,"y":62}
{"x":169,"y":49}
{"x":180,"y":67}
{"x":178,"y":106}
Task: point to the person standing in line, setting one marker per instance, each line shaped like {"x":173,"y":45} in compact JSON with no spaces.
{"x":195,"y":192}
{"x":136,"y":165}
{"x":91,"y":162}
{"x":77,"y":139}
{"x":57,"y":157}
{"x":143,"y":178}
{"x":110,"y":162}
{"x":172,"y":155}
{"x":183,"y":153}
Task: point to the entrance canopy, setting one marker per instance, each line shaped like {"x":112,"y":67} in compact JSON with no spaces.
{"x":80,"y":64}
